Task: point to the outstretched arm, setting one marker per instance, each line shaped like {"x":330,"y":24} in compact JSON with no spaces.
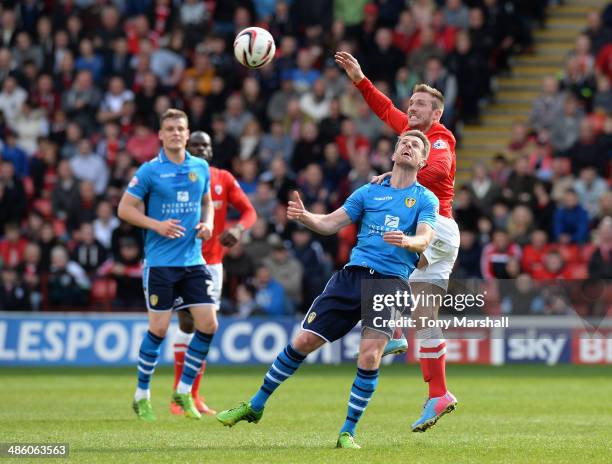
{"x":378,"y":102}
{"x":324,"y":224}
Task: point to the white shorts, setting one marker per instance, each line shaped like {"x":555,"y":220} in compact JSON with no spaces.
{"x":216,"y":272}
{"x":441,"y":254}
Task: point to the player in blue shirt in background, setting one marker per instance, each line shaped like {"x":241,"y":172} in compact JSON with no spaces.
{"x":175,"y":190}
{"x":397,"y":222}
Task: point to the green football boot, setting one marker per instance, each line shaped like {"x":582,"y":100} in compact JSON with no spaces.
{"x":144,"y":410}
{"x":244,"y":411}
{"x":185,"y":401}
{"x":346,"y":440}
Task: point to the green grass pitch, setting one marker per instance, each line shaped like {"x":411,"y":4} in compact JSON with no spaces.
{"x":511,"y":414}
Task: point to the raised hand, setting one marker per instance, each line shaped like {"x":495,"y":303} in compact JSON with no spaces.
{"x":295,"y":208}
{"x":350,"y":65}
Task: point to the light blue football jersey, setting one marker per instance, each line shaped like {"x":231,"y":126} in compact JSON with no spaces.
{"x":382,"y":208}
{"x":172,"y":191}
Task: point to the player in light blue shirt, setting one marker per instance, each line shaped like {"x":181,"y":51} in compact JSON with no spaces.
{"x":173,"y":189}
{"x":397,"y":222}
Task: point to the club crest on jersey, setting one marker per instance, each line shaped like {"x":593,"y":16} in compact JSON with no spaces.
{"x":133,"y":182}
{"x":153,"y":299}
{"x":439,"y":144}
{"x":311,"y":317}
{"x":218,"y":189}
{"x":410,"y":202}
{"x":193,"y":176}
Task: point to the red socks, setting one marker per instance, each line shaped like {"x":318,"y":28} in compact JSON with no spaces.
{"x":433,"y":366}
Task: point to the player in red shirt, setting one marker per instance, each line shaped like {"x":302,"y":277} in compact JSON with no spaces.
{"x":436,"y":263}
{"x":225,"y":191}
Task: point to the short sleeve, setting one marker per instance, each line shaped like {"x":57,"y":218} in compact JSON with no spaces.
{"x":354,"y":204}
{"x":429,"y":209}
{"x":140,"y":185}
{"x":206,"y":178}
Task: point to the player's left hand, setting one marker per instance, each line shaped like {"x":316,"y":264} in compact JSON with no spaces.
{"x":397,"y":238}
{"x":230,"y":237}
{"x":204,"y":231}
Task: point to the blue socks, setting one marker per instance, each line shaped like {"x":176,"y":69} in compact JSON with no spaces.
{"x":362,"y":390}
{"x":281,"y":369}
{"x":147,"y":359}
{"x":195,"y":355}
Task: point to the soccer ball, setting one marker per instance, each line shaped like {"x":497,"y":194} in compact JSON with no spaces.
{"x":254,"y":47}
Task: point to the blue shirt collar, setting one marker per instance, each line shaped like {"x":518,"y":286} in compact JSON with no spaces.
{"x":163,"y":158}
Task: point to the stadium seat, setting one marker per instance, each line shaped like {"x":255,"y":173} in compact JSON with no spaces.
{"x":103,"y":293}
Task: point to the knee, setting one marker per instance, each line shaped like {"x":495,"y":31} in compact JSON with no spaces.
{"x":307,"y":342}
{"x":369,"y":358}
{"x":159,"y":330}
{"x":208,"y":326}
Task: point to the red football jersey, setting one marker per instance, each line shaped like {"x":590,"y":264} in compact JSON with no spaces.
{"x":439,"y":173}
{"x":225,"y":191}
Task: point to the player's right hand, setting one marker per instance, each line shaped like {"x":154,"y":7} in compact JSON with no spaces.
{"x":295,"y":208}
{"x":380,"y":179}
{"x":170,"y":228}
{"x":350,"y":65}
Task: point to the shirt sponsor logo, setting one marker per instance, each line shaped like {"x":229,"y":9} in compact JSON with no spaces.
{"x":182,"y":197}
{"x":439,"y":144}
{"x":391,"y":221}
{"x":410,"y":202}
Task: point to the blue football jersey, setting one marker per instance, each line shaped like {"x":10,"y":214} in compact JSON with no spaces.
{"x":382,"y":208}
{"x":172,"y":191}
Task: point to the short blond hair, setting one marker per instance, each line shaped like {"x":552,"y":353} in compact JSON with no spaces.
{"x":420,"y":135}
{"x":438,"y":99}
{"x":172,"y":113}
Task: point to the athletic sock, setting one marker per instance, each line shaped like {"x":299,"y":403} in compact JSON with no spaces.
{"x":432,"y":358}
{"x":195,"y":355}
{"x":283,"y":367}
{"x":362,"y":390}
{"x":147,"y":360}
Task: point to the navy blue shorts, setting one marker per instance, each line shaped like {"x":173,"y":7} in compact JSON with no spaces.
{"x":347,"y":299}
{"x":168,"y":288}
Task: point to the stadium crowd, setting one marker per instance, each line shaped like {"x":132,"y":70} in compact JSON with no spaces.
{"x":83,"y":83}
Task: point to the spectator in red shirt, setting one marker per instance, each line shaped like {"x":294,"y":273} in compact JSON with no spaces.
{"x":126,"y":270}
{"x":532,"y":260}
{"x":554,"y":268}
{"x":349,"y":141}
{"x":497,"y":254}
{"x":143,"y":145}
{"x":13,"y":246}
